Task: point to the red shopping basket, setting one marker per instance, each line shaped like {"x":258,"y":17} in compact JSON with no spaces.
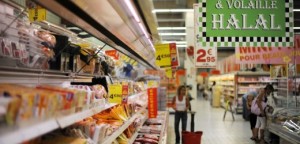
{"x":191,"y":137}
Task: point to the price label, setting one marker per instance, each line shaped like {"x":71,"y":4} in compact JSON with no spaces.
{"x":124,"y":93}
{"x":162,"y":55}
{"x":169,"y":72}
{"x":37,"y":14}
{"x":206,"y":57}
{"x":152,"y":84}
{"x":115,"y":93}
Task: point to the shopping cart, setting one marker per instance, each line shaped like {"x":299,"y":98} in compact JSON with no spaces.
{"x":191,"y":137}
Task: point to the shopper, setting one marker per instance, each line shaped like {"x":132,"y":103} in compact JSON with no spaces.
{"x":211,"y":91}
{"x":258,"y":107}
{"x":180,"y":104}
{"x":189,"y":88}
{"x":252,"y":117}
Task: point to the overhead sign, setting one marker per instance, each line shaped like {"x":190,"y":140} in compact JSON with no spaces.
{"x":205,"y":57}
{"x":152,"y":102}
{"x":174,"y":55}
{"x":115,"y":93}
{"x":244,"y":23}
{"x":268,"y":55}
{"x":112,"y":53}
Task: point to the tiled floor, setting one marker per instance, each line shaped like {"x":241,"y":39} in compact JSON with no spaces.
{"x":215,"y":130}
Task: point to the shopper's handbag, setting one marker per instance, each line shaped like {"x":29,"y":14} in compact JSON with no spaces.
{"x":191,"y":137}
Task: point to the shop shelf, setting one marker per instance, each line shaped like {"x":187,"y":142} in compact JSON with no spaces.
{"x":121,"y":129}
{"x":283,"y":133}
{"x":68,"y":120}
{"x":285,"y":89}
{"x":19,"y":134}
{"x":133,"y":137}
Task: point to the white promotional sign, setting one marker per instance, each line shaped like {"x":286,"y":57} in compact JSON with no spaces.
{"x":205,"y":57}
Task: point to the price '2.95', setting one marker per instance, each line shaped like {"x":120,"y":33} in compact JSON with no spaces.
{"x":202,"y":57}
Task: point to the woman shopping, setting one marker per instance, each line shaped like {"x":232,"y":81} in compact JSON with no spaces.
{"x":180,"y":104}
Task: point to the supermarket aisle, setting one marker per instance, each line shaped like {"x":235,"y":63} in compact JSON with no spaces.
{"x":215,"y":130}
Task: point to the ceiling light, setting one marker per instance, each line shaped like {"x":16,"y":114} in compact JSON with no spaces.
{"x":132,"y":10}
{"x":181,"y":45}
{"x":171,"y":10}
{"x":296,"y":10}
{"x":296,"y":27}
{"x":171,"y":28}
{"x":174,"y":34}
{"x":177,"y":42}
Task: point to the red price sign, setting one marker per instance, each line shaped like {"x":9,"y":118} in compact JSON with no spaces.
{"x":206,"y":57}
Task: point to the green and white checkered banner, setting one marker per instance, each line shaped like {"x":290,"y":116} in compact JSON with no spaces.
{"x":233,"y":23}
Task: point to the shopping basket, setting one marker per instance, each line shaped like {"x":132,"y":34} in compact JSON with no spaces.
{"x":191,"y":137}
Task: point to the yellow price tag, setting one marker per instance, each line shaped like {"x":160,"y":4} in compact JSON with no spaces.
{"x":37,"y":14}
{"x":115,"y":93}
{"x":162,"y":55}
{"x":152,"y":84}
{"x":169,"y":73}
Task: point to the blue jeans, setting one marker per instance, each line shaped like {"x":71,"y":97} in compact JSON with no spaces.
{"x":178,"y":116}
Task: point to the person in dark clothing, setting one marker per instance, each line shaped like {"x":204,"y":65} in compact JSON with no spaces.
{"x":180,"y":104}
{"x":252,"y":117}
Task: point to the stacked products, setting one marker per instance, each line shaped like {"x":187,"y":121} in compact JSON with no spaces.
{"x":23,"y":103}
{"x":151,"y":131}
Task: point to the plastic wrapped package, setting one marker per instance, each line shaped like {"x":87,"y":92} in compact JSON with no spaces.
{"x":87,"y":65}
{"x":289,"y":119}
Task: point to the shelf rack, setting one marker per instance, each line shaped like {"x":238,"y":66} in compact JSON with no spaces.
{"x":121,"y":129}
{"x":35,"y":128}
{"x":134,"y":136}
{"x":32,"y":129}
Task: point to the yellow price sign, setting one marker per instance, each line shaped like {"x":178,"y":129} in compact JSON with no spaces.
{"x":169,"y":73}
{"x":152,"y":84}
{"x":115,"y":93}
{"x":37,"y":14}
{"x":162,"y":55}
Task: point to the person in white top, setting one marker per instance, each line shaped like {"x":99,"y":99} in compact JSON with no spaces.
{"x":180,"y":104}
{"x":258,"y":107}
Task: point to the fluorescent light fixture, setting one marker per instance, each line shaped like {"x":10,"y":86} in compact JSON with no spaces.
{"x":174,"y":34}
{"x":132,"y":10}
{"x":137,"y":19}
{"x":171,"y":10}
{"x":151,"y":45}
{"x":171,"y":28}
{"x":296,"y":27}
{"x":296,"y":10}
{"x":177,"y":42}
{"x":181,"y":45}
{"x":143,"y":29}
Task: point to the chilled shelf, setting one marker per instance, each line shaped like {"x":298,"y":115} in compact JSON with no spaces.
{"x":35,"y":128}
{"x":134,"y":136}
{"x":20,"y":134}
{"x":285,"y":134}
{"x":66,"y":121}
{"x":257,"y":81}
{"x":282,"y":89}
{"x":250,"y":87}
{"x":121,"y":129}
